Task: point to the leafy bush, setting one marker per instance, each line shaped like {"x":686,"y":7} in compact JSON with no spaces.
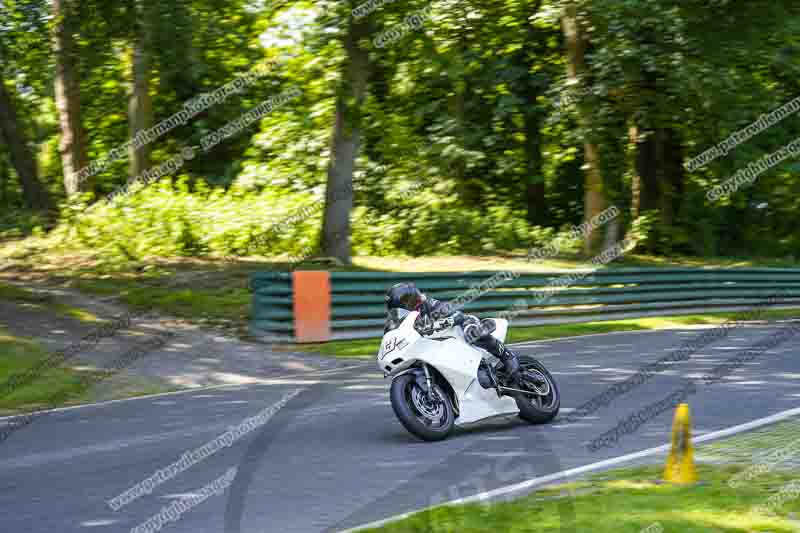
{"x":20,"y":223}
{"x":172,"y":219}
{"x":168,"y":219}
{"x":429,"y":224}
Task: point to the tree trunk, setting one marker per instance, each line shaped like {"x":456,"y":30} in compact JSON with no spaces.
{"x":672,"y":185}
{"x":22,"y":159}
{"x":658,"y":170}
{"x":67,"y":95}
{"x":470,"y":190}
{"x":535,"y":189}
{"x":4,"y":178}
{"x":140,"y":110}
{"x":594,"y":190}
{"x":594,"y":200}
{"x":345,"y":145}
{"x":658,"y":182}
{"x":646,"y":176}
{"x":636,"y":182}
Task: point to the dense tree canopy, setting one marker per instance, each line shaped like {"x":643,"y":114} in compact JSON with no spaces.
{"x":510,"y":120}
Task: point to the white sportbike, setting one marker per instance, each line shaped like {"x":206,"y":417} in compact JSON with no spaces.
{"x":440,"y":380}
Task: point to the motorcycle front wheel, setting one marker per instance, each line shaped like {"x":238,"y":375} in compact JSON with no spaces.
{"x":429,"y":418}
{"x":543,"y":405}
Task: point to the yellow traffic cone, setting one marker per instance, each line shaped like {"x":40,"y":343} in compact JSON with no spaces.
{"x":680,"y":463}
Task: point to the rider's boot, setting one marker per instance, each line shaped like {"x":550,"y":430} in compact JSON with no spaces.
{"x":510,"y":362}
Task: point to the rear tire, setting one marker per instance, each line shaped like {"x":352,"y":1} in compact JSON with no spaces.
{"x":429,"y":421}
{"x":537,"y":409}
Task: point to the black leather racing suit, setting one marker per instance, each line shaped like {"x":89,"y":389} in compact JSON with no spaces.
{"x":475,"y":331}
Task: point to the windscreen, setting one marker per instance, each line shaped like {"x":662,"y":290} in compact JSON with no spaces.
{"x":394,"y":318}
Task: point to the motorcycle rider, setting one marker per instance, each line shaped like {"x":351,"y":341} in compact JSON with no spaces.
{"x":435,"y":315}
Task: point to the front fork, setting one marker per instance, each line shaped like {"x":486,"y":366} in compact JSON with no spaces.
{"x":428,"y":381}
{"x":425,"y":381}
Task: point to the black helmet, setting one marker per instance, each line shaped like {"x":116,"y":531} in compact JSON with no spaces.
{"x":403,"y":295}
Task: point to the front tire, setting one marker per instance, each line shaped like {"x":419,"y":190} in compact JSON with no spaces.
{"x":430,"y":420}
{"x":537,"y":409}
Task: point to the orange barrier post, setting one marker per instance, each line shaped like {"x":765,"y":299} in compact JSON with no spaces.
{"x":312,"y":306}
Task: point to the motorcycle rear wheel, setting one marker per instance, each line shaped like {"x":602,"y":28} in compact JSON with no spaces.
{"x":430,"y":420}
{"x":538,"y":408}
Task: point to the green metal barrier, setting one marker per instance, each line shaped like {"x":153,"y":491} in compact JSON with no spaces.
{"x":271,"y":313}
{"x":357,"y":309}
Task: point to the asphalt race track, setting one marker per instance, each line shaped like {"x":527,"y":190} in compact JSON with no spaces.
{"x":335,"y":456}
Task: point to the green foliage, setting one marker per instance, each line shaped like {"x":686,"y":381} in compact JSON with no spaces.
{"x":475,"y":107}
{"x":167,"y":219}
{"x":642,"y":230}
{"x":21,"y":223}
{"x":437,"y":227}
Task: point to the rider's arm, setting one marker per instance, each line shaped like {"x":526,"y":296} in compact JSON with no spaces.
{"x":436,"y":315}
{"x":431,"y":313}
{"x":440,"y":309}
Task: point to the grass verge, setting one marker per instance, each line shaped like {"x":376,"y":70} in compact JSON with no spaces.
{"x":44,"y":302}
{"x":222,"y":305}
{"x":19,"y":354}
{"x":624,"y":501}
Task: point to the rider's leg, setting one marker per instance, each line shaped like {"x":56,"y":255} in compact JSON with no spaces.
{"x":499,"y":350}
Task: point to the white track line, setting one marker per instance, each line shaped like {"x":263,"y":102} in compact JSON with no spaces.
{"x":565,"y":474}
{"x":183,"y":391}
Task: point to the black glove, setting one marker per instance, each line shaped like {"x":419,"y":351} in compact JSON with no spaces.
{"x":471,"y":319}
{"x":472,"y":329}
{"x":426,"y":309}
{"x":424,"y":322}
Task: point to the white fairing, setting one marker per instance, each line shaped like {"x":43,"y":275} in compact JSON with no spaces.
{"x":454,"y":358}
{"x":502,"y":329}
